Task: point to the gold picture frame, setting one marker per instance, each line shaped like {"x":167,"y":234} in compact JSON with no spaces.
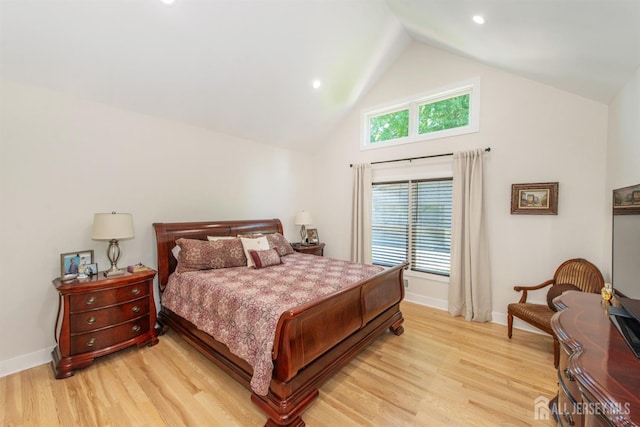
{"x":534,"y":199}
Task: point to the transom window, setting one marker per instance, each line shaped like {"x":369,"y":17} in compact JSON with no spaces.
{"x":411,"y":221}
{"x":441,"y":113}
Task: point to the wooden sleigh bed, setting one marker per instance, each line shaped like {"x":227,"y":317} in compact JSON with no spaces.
{"x":312,"y":341}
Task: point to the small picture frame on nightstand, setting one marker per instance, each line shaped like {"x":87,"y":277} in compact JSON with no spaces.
{"x":312,"y":236}
{"x":91,"y":269}
{"x":73,"y":264}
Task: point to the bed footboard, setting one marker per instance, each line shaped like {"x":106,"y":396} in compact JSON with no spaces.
{"x":315,"y":341}
{"x":308,"y":331}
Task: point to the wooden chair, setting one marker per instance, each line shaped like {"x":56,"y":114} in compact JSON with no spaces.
{"x":575,"y":274}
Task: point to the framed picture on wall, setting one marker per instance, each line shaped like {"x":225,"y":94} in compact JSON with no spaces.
{"x":535,"y":199}
{"x":626,"y":201}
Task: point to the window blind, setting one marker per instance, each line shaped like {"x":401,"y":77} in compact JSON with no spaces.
{"x":411,"y":221}
{"x":390,"y":223}
{"x":431,"y":226}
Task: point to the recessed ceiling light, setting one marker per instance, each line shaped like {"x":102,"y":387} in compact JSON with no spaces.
{"x":168,"y":2}
{"x":316,"y":84}
{"x":478,"y":19}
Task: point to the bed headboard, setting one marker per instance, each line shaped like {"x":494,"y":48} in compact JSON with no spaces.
{"x":168,"y":233}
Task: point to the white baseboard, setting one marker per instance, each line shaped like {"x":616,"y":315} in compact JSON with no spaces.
{"x":497,"y":317}
{"x":424,"y":300}
{"x":24,"y":362}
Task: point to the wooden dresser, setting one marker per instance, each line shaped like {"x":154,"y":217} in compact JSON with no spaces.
{"x":598,"y":375}
{"x":100,"y":315}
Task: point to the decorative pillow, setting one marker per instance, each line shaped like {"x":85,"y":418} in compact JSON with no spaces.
{"x":265,"y":258}
{"x":257,"y":244}
{"x":558,"y":289}
{"x":205,"y":255}
{"x":214,"y":238}
{"x":278,"y":241}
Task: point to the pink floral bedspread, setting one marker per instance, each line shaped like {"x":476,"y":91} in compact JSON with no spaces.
{"x":241,"y":306}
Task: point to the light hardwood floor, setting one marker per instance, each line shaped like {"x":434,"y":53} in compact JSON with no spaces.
{"x":442,"y":371}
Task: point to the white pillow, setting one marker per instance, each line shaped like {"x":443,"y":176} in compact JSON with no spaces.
{"x":175,"y":251}
{"x":256,"y":244}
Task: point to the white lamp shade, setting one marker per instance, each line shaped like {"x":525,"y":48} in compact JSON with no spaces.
{"x":109,"y":226}
{"x":303,"y":218}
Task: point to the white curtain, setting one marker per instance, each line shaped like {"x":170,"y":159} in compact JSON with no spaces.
{"x":470,"y":279}
{"x":361,"y":214}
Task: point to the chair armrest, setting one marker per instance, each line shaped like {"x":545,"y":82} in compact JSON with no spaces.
{"x":525,"y":289}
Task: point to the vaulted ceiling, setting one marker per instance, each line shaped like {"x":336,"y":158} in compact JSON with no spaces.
{"x":246,"y":67}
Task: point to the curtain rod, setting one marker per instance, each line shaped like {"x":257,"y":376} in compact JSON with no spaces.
{"x":408,"y":159}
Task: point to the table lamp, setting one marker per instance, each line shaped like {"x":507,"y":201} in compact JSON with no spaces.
{"x":112,"y":227}
{"x":303,"y":218}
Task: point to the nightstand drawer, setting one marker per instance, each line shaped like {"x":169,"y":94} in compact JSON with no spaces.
{"x":97,"y":340}
{"x":93,"y":300}
{"x":97,"y":319}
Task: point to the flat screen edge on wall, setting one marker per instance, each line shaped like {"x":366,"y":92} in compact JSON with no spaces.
{"x":625,"y":264}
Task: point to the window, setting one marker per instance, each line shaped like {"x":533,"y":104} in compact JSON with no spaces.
{"x":438,"y":114}
{"x":442,"y":115}
{"x":389,"y":126}
{"x":411,"y":221}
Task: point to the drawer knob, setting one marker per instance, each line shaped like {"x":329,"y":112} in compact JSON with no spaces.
{"x":569,"y":375}
{"x":136,"y":328}
{"x":91,"y":320}
{"x":135,"y":308}
{"x":135,"y":291}
{"x":91,"y":300}
{"x":569,"y":418}
{"x":91,"y":342}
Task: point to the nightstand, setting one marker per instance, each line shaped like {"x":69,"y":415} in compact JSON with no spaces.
{"x":100,"y":315}
{"x":316,"y":249}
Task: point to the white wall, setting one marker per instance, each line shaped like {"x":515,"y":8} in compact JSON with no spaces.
{"x":63,"y":159}
{"x":623,"y":150}
{"x":536,"y":133}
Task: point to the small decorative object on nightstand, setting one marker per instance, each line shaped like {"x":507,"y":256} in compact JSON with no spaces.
{"x":317,"y":249}
{"x":100,"y":315}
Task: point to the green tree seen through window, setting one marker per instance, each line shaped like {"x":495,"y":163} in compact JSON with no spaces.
{"x":389,"y":126}
{"x":446,"y":114}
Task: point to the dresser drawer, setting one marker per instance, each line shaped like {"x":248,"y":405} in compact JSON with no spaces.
{"x":98,"y":319}
{"x":568,"y":412}
{"x":566,"y":379}
{"x":97,"y":340}
{"x":93,"y":300}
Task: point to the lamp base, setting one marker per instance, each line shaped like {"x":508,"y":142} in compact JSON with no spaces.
{"x":110,"y":273}
{"x":113,"y":253}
